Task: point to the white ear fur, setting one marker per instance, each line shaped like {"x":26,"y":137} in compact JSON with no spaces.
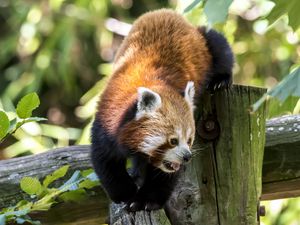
{"x":189,"y":93}
{"x":148,"y":101}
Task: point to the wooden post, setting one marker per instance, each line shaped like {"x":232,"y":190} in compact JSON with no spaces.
{"x":223,"y":183}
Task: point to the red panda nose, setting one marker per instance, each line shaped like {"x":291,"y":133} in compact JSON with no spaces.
{"x":187,"y":156}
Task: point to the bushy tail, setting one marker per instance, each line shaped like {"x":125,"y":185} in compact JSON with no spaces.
{"x":220,"y":74}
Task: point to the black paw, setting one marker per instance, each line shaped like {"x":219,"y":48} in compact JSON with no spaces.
{"x":217,"y":82}
{"x":141,"y":205}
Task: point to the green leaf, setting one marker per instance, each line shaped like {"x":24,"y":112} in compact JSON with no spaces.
{"x":291,"y":8}
{"x":31,"y":186}
{"x":2,"y":219}
{"x":24,"y":205}
{"x":93,"y":177}
{"x":4,"y":124}
{"x":27,"y":104}
{"x":74,"y":196}
{"x":191,"y":6}
{"x":12,"y":125}
{"x":88,"y":184}
{"x":87,"y":172}
{"x":72,"y":183}
{"x":289,"y":86}
{"x":216,"y":10}
{"x":55,"y":175}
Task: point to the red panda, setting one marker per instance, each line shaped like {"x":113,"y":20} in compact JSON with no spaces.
{"x":146,"y":110}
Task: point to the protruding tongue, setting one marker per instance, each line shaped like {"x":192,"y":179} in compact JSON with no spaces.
{"x":175,"y":166}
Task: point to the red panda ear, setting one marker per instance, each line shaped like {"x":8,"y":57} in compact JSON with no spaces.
{"x":189,"y":93}
{"x":148,"y":101}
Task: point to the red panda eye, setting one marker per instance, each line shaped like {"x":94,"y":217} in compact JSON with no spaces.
{"x":174,"y":141}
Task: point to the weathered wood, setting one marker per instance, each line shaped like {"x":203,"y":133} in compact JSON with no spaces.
{"x":222,"y":185}
{"x":119,"y":216}
{"x":281,"y":170}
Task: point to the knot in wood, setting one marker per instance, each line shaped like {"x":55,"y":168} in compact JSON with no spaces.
{"x":209,"y":125}
{"x":208,"y":128}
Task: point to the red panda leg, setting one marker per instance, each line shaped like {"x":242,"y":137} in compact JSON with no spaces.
{"x":110,"y":166}
{"x":155,"y":191}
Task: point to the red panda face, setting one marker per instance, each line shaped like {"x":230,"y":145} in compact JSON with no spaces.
{"x":163,"y":128}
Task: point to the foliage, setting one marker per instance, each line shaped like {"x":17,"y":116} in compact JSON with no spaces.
{"x":215,"y":10}
{"x":291,"y":9}
{"x":289,"y":86}
{"x":282,"y":212}
{"x":23,"y":115}
{"x":43,"y":198}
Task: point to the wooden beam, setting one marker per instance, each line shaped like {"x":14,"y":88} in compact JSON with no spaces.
{"x":281,"y":168}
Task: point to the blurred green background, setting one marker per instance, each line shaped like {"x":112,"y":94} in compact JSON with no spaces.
{"x":63,"y":50}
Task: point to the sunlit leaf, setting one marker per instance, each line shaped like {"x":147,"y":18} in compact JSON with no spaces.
{"x":88,"y":184}
{"x":55,"y":175}
{"x":291,"y":8}
{"x":74,"y":196}
{"x":192,"y":5}
{"x":31,"y":186}
{"x":93,"y":177}
{"x":12,"y":125}
{"x":24,"y":205}
{"x":216,"y":10}
{"x":72,"y":183}
{"x":289,"y":86}
{"x":87,"y":172}
{"x":4,"y":124}
{"x":27,"y":104}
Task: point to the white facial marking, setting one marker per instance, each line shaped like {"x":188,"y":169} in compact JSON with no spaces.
{"x":189,"y":93}
{"x":189,"y":132}
{"x":151,"y":143}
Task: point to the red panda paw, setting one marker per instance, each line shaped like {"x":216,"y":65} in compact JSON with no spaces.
{"x":140,"y":205}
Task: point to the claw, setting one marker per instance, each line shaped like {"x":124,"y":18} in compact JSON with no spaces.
{"x":134,"y":206}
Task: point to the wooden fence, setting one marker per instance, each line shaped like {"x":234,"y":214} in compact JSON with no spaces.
{"x":223,"y":184}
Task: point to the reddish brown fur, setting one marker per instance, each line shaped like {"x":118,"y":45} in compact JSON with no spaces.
{"x":162,"y":52}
